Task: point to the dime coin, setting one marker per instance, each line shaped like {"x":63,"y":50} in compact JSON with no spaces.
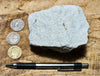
{"x":13,"y":38}
{"x":14,"y":52}
{"x":17,"y":25}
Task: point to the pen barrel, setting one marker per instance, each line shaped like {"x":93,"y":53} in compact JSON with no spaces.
{"x":54,"y":66}
{"x":24,"y":65}
{"x":58,"y":66}
{"x":50,"y":65}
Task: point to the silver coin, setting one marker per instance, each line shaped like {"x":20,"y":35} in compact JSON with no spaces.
{"x":17,"y":25}
{"x":13,"y":38}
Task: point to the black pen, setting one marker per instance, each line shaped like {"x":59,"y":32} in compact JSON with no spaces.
{"x":58,"y":66}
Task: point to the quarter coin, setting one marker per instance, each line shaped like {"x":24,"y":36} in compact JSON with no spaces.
{"x":14,"y":52}
{"x":17,"y":24}
{"x":13,"y":38}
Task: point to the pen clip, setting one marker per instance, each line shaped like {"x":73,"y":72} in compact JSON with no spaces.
{"x":75,"y":69}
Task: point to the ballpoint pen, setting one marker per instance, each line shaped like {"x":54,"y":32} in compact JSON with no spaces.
{"x":59,"y":66}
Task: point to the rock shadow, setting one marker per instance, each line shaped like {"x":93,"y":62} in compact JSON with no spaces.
{"x":75,"y":54}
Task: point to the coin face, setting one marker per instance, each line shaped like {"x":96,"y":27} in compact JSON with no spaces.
{"x":13,"y":38}
{"x":14,"y":52}
{"x":17,"y":24}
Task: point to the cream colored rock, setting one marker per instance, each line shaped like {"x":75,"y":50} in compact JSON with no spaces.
{"x":61,"y":28}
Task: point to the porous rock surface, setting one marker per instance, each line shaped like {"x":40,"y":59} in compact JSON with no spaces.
{"x":61,"y":28}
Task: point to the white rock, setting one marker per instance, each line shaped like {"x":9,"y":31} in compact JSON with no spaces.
{"x":61,"y":28}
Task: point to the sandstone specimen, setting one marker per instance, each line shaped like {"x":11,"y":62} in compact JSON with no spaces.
{"x":61,"y":28}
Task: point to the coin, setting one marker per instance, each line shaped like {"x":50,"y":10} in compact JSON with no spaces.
{"x":17,"y":25}
{"x":14,"y":52}
{"x":13,"y":38}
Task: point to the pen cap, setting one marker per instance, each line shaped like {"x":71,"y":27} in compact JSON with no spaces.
{"x":85,"y":65}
